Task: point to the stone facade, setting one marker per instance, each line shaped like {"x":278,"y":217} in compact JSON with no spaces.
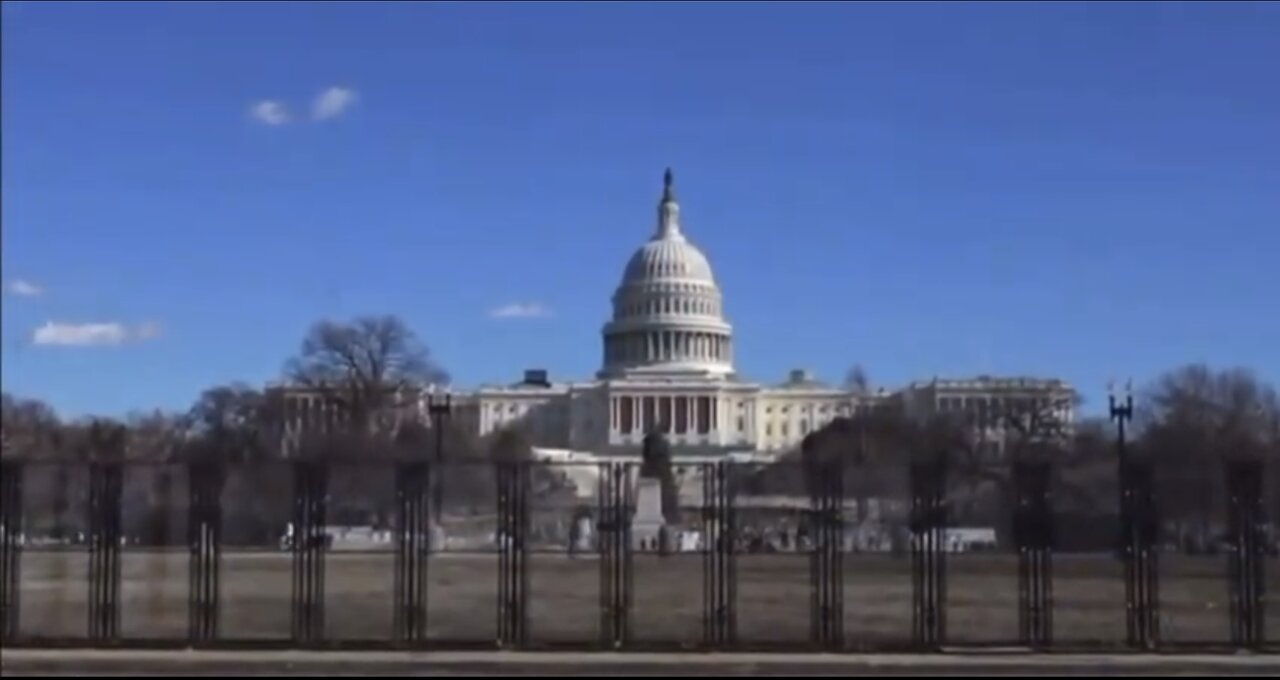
{"x":667,"y":364}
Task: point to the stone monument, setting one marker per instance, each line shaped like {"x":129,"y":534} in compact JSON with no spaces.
{"x":657,"y":508}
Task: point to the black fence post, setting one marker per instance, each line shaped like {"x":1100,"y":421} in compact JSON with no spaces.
{"x":1035,"y":536}
{"x":1140,"y":523}
{"x":613,"y":531}
{"x":513,"y":557}
{"x":439,"y":411}
{"x":11,"y":480}
{"x":928,"y":553}
{"x":826,"y":505}
{"x":413,"y":532}
{"x":1246,"y":525}
{"x":106,"y":481}
{"x":719,"y":596}
{"x":204,"y":539}
{"x":308,"y":542}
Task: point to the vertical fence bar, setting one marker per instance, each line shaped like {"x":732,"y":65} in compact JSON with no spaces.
{"x":627,"y":546}
{"x":513,"y":573}
{"x":928,"y":565}
{"x":105,"y":486}
{"x":826,"y":501}
{"x":413,"y":521}
{"x":204,"y":538}
{"x":604,"y":550}
{"x":832,"y":550}
{"x":308,"y":543}
{"x":1245,"y":564}
{"x":11,"y":538}
{"x":1035,"y":537}
{"x":615,"y":555}
{"x":1140,"y":522}
{"x":719,"y":626}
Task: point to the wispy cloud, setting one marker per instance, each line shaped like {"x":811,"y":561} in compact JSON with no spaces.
{"x":23,"y":288}
{"x":58,"y":334}
{"x":332,"y":103}
{"x":521,"y":310}
{"x":270,"y":112}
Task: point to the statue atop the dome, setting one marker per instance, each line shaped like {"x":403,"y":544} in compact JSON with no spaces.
{"x":668,"y":187}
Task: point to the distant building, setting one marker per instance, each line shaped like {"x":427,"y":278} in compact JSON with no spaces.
{"x":667,"y":364}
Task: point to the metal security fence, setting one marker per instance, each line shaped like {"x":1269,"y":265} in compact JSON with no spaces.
{"x":920,"y":553}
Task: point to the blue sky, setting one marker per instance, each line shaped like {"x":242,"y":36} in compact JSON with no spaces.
{"x":1080,"y":190}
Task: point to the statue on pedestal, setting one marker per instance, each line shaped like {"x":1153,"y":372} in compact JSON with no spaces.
{"x":657,"y":503}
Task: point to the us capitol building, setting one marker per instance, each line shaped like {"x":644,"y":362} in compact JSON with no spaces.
{"x":667,"y":364}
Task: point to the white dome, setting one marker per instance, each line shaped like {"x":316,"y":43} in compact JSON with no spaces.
{"x":667,"y":312}
{"x":668,"y":258}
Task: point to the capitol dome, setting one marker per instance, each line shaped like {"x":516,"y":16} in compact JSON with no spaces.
{"x":667,"y":312}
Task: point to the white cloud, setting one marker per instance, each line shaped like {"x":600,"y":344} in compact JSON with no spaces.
{"x":332,"y":102}
{"x":521,"y":310}
{"x":23,"y":288}
{"x":57,"y":334}
{"x":269,"y":112}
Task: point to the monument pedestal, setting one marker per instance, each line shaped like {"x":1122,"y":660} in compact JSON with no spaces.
{"x":648,"y":523}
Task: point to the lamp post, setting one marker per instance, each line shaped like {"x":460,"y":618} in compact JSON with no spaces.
{"x":1121,"y":413}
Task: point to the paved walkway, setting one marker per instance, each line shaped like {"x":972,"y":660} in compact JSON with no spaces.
{"x":81,"y":662}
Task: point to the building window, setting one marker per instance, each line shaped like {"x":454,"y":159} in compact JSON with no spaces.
{"x":704,"y":415}
{"x":742,"y":424}
{"x":804,"y":427}
{"x":682,"y":415}
{"x":768,"y":429}
{"x":784,"y":428}
{"x":664,"y":414}
{"x":649,"y":415}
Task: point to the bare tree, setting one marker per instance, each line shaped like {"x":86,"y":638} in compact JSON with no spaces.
{"x":364,"y":367}
{"x":29,"y":428}
{"x":232,"y":422}
{"x":1189,"y":421}
{"x":155,"y":436}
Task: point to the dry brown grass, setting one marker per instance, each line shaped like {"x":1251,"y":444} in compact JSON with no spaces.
{"x":772,"y":597}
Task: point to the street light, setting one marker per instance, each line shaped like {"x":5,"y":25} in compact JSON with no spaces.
{"x":1121,"y":413}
